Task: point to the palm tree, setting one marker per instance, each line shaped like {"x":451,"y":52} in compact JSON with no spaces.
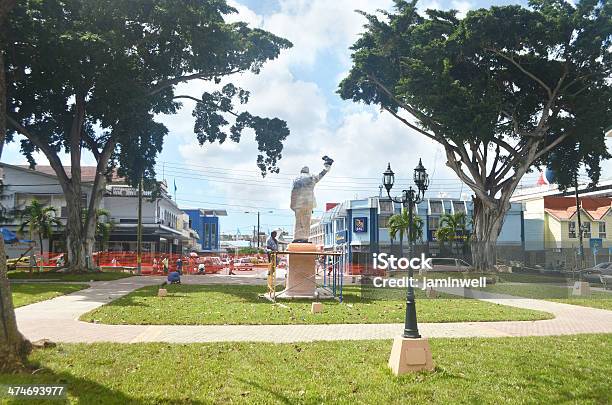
{"x":40,"y":220}
{"x":399,"y":223}
{"x":453,"y":227}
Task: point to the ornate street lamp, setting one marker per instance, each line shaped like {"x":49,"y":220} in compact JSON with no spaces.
{"x":409,"y":199}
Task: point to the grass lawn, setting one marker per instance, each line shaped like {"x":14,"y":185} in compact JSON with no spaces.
{"x":568,"y":369}
{"x":234,"y":304}
{"x":53,"y":275}
{"x":598,"y":299}
{"x":29,"y":293}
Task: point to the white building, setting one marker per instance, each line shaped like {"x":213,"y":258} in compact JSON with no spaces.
{"x":165,"y":226}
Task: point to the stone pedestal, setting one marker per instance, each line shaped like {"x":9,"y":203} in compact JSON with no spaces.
{"x":581,"y":288}
{"x":301,"y":272}
{"x":410,"y":355}
{"x":162,"y":292}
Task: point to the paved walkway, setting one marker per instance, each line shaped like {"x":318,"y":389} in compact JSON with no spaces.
{"x":57,"y":320}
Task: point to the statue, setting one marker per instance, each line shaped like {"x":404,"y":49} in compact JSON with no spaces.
{"x":303,"y":199}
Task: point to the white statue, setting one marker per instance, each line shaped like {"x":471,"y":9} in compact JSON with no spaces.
{"x":303,"y":199}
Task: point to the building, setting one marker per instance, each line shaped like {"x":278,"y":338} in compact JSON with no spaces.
{"x":361,"y":227}
{"x":165,"y":226}
{"x":206,"y":224}
{"x":551,"y":230}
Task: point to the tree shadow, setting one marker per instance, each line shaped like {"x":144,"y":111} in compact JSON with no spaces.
{"x":277,"y":395}
{"x":82,"y":389}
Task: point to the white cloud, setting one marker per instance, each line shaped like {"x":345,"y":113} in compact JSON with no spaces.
{"x":362,"y":140}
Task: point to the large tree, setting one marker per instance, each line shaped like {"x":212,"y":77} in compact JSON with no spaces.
{"x":502,"y":90}
{"x":92,"y":75}
{"x":13,"y":346}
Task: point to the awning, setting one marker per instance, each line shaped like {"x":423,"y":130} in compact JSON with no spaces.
{"x":9,"y":236}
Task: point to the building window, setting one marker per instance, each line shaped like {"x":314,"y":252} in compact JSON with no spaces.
{"x":572,"y":230}
{"x":586,"y":230}
{"x":383,"y":221}
{"x":602,"y":230}
{"x":386,"y":206}
{"x":436,"y":207}
{"x":433,"y":223}
{"x":459,"y":206}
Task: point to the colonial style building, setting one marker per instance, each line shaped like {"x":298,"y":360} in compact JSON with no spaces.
{"x":165,"y":226}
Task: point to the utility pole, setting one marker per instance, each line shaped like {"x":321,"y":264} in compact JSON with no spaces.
{"x":254,"y":230}
{"x":580,"y":263}
{"x":257,"y":230}
{"x":139,"y":231}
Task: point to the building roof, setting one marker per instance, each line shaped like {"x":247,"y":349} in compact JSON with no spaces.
{"x":207,"y":212}
{"x":88,"y":173}
{"x":564,"y":208}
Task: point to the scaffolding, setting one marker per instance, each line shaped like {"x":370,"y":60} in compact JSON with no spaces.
{"x":333,"y":268}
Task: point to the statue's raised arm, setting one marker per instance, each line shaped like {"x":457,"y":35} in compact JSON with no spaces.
{"x":327,"y":162}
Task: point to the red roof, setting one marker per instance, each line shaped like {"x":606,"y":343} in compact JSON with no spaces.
{"x":564,"y":208}
{"x":88,"y":173}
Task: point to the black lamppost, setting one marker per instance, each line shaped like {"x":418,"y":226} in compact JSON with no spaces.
{"x":408,"y":200}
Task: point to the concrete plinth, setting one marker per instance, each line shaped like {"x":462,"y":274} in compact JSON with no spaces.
{"x":410,"y":355}
{"x":162,"y":292}
{"x":581,"y":288}
{"x":301,"y":272}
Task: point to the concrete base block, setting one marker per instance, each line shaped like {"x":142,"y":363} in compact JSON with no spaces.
{"x":581,"y":288}
{"x":431,"y":293}
{"x":162,"y":292}
{"x":410,"y":355}
{"x":316,"y":307}
{"x":301,"y":282}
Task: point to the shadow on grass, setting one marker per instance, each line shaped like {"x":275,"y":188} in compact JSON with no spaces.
{"x":83,"y":390}
{"x":273,"y":394}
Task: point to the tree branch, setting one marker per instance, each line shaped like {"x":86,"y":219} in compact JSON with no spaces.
{"x":50,"y":154}
{"x":522,"y":69}
{"x":416,"y":113}
{"x":180,"y":79}
{"x":200,"y":101}
{"x":409,"y":124}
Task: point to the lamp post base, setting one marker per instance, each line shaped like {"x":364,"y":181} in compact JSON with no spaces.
{"x":410,"y":355}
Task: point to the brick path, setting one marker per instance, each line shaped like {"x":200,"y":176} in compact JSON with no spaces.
{"x":57,"y":320}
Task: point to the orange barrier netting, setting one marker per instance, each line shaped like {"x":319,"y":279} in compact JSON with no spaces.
{"x":153,"y":263}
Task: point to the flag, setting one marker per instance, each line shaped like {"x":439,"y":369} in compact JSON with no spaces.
{"x":175,"y":185}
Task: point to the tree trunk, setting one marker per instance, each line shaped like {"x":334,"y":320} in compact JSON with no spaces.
{"x":488,"y":221}
{"x":14,"y":348}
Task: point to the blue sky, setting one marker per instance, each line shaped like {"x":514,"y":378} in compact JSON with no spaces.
{"x":300,"y":88}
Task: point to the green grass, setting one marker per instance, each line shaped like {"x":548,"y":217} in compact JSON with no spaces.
{"x":531,"y":278}
{"x":568,"y":369}
{"x":240,"y":304}
{"x":53,"y":275}
{"x":597,"y":299}
{"x":29,"y":293}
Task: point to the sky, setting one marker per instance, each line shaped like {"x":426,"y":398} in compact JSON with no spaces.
{"x":300,"y":88}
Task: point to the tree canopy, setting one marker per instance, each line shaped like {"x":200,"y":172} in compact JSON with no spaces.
{"x":502,"y":89}
{"x":106,"y":67}
{"x":93,"y":75}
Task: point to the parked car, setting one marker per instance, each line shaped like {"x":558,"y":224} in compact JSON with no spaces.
{"x":592,"y":274}
{"x":449,"y":264}
{"x":243,"y":264}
